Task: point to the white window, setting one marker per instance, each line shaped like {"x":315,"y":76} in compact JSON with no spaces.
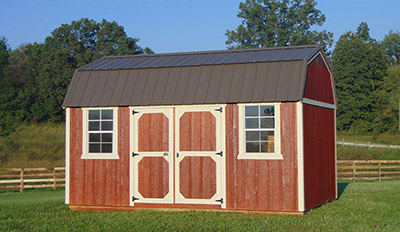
{"x":100,"y":133}
{"x":259,"y":131}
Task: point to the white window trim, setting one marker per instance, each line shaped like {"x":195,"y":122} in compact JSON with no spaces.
{"x":85,"y":152}
{"x":277,"y":142}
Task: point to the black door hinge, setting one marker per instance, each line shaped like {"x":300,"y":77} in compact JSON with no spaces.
{"x":220,"y":153}
{"x":219,"y":109}
{"x":134,"y":112}
{"x":220,"y":200}
{"x":134,"y":154}
{"x":134,"y":198}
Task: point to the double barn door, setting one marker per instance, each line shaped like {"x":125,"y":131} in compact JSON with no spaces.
{"x":177,"y":155}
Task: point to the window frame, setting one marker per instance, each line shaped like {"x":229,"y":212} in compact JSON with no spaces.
{"x":276,"y":155}
{"x":85,"y":135}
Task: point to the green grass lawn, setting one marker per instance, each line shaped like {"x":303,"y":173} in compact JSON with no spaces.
{"x":362,"y":206}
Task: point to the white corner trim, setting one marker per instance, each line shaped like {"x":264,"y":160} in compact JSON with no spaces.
{"x":67,"y":152}
{"x":300,"y":157}
{"x":260,"y":156}
{"x":319,"y":103}
{"x":85,"y":153}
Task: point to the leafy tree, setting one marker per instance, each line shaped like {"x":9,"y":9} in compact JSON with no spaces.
{"x":388,"y":102}
{"x":271,"y":23}
{"x":391,"y":43}
{"x":359,"y":64}
{"x":7,"y":94}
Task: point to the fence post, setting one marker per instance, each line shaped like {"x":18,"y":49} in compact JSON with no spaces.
{"x":379,"y":172}
{"x":21,"y":187}
{"x":354,"y":171}
{"x":54,"y":178}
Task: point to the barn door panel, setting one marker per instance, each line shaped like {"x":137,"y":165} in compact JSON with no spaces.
{"x":199,"y":155}
{"x":153,"y":155}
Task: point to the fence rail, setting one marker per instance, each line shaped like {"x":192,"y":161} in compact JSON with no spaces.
{"x":369,"y":145}
{"x":368,"y":169}
{"x":22,"y":178}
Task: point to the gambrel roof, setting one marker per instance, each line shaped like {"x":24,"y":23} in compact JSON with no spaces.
{"x":214,"y":77}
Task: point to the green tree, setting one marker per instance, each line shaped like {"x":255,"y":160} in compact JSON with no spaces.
{"x":272,"y":23}
{"x":391,"y":43}
{"x":388,"y":102}
{"x":7,"y":93}
{"x":359,"y":64}
{"x":42,"y":72}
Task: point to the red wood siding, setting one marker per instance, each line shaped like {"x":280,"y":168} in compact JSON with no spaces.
{"x":197,"y":177}
{"x":154,"y":131}
{"x":153,"y":177}
{"x":318,"y":83}
{"x":99,"y":182}
{"x":198,"y":131}
{"x":319,"y":155}
{"x":262,"y":184}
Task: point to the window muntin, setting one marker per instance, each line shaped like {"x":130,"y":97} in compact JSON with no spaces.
{"x":100,"y":131}
{"x":259,"y":128}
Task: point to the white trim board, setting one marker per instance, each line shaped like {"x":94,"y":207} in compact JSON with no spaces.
{"x":300,"y":158}
{"x":67,"y":152}
{"x":319,"y":103}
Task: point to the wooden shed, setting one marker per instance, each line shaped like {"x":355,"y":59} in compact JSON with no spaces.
{"x":238,"y":130}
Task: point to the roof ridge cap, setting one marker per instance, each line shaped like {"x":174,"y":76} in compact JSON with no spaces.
{"x":213,"y":52}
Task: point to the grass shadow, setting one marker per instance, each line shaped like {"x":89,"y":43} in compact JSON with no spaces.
{"x":341,"y":188}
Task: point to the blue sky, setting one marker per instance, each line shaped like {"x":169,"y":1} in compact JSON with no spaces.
{"x":177,"y":25}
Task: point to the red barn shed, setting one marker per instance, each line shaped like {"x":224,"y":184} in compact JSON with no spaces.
{"x":245,"y":130}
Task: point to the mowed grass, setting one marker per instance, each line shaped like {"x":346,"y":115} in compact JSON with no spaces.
{"x":362,"y":206}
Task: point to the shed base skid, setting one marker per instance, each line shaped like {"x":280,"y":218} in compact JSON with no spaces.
{"x":158,"y":207}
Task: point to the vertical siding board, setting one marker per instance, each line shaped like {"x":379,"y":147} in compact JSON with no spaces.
{"x":318,"y":83}
{"x":319,"y":155}
{"x":262,"y":184}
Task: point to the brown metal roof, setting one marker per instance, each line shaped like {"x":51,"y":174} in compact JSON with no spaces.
{"x":232,"y":76}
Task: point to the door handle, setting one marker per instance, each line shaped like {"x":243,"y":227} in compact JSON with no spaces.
{"x":177,"y":155}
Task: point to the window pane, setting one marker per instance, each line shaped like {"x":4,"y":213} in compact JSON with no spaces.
{"x":94,"y":126}
{"x":106,"y":137}
{"x":94,"y":137}
{"x":267,"y":135}
{"x":94,"y":114}
{"x":251,"y":110}
{"x":107,"y":126}
{"x":94,"y":148}
{"x":106,"y":148}
{"x":267,"y":147}
{"x":252,"y":123}
{"x":252,"y":136}
{"x":107,"y":114}
{"x":252,"y":147}
{"x":267,"y":123}
{"x":267,"y":110}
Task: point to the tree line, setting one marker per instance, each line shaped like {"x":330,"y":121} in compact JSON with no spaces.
{"x":34,"y":77}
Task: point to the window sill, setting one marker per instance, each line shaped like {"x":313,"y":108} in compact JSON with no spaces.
{"x":261,"y":156}
{"x":99,"y":156}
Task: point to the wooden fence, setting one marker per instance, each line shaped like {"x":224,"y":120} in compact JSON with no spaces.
{"x":22,"y":178}
{"x":368,"y":169}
